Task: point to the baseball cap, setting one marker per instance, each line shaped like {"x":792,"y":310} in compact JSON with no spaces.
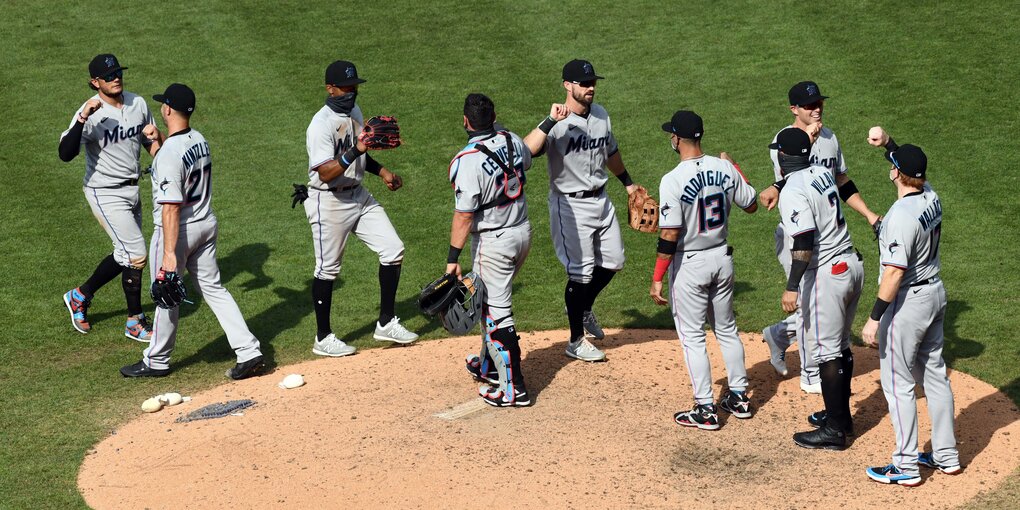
{"x":793,"y":142}
{"x":342,"y":73}
{"x":178,"y":96}
{"x":104,"y":64}
{"x":579,"y":71}
{"x":909,"y":159}
{"x":685,"y":124}
{"x":805,"y":93}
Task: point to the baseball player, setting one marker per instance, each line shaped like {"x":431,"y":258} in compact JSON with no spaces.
{"x":185,"y":237}
{"x":338,"y":205}
{"x":807,"y":104}
{"x":113,"y":125}
{"x":907,"y":319}
{"x":578,"y":137}
{"x":825,"y":280}
{"x":696,"y":198}
{"x":488,"y":179}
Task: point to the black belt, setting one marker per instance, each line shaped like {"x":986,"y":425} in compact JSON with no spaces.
{"x":586,"y":194}
{"x":336,"y":189}
{"x":933,"y":279}
{"x":129,"y":182}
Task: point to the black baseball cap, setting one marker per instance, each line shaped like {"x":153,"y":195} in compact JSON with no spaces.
{"x":805,"y":93}
{"x":342,"y":73}
{"x":685,"y":124}
{"x":579,"y":71}
{"x":178,"y":96}
{"x":103,"y":65}
{"x":909,"y":159}
{"x":792,"y":142}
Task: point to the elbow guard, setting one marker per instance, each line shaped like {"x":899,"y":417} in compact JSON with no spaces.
{"x":848,"y":190}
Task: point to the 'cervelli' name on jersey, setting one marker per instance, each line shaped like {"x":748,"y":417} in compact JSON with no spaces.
{"x":578,"y":148}
{"x":481,"y":186}
{"x":113,"y":140}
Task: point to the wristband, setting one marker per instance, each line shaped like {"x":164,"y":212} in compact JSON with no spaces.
{"x":454,"y":255}
{"x":349,"y":156}
{"x":82,"y":119}
{"x":625,"y":178}
{"x":661,"y":266}
{"x":779,"y":184}
{"x":879,"y":309}
{"x":666,"y":247}
{"x":547,"y":125}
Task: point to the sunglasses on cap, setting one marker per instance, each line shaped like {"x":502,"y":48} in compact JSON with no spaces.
{"x":116,"y":75}
{"x":585,"y":84}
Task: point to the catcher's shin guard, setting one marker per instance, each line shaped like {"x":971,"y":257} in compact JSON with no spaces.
{"x":501,"y":357}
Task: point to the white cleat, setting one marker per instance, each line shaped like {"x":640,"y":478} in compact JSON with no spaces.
{"x":333,"y":347}
{"x":815,"y":388}
{"x":584,"y":351}
{"x":394,"y":331}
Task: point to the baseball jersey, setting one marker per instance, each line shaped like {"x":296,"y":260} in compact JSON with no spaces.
{"x":479,"y":182}
{"x":329,"y":135}
{"x":810,"y":201}
{"x":113,"y":140}
{"x":578,"y":148}
{"x":182,"y":174}
{"x":696,"y":196}
{"x":910,"y":236}
{"x":824,"y":152}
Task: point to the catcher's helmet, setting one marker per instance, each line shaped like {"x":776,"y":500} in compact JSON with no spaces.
{"x":465,"y":310}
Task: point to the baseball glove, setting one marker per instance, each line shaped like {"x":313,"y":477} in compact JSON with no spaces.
{"x":380,"y":132}
{"x":300,"y":195}
{"x":436,"y":296}
{"x":168,"y":290}
{"x":877,"y":227}
{"x":642,"y":211}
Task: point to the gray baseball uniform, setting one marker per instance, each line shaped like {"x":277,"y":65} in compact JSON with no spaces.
{"x":825,"y":152}
{"x":181,"y":174}
{"x":831,"y":286}
{"x":696,"y":197}
{"x":113,"y":140}
{"x":342,"y":206}
{"x":911,"y":330}
{"x":585,"y":232}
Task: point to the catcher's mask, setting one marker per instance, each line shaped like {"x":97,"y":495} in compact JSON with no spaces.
{"x":465,"y":309}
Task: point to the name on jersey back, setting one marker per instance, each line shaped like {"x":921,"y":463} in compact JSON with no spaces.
{"x":703,"y":179}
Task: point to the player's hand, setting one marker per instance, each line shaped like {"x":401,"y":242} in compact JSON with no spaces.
{"x":169,"y":262}
{"x":790,"y":301}
{"x":90,"y":107}
{"x":559,"y":111}
{"x":769,"y":197}
{"x":870,"y":333}
{"x":877,"y":136}
{"x":727,"y":157}
{"x":632,"y":188}
{"x":392,"y":180}
{"x":656,"y":293}
{"x":813,"y":130}
{"x":453,"y":269}
{"x":151,"y":132}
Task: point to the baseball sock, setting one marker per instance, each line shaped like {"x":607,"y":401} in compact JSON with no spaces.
{"x":131,"y":280}
{"x":834,"y":395}
{"x":389,"y":277}
{"x":322,"y":300}
{"x":574,"y":295}
{"x":107,"y":270}
{"x":600,"y":277}
{"x":511,"y":342}
{"x":848,"y":375}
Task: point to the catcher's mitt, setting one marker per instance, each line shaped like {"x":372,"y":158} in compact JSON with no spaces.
{"x":643,"y":211}
{"x":380,"y":132}
{"x":168,"y":290}
{"x":436,"y":296}
{"x":300,"y":195}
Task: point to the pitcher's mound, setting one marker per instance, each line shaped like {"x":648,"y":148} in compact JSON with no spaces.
{"x":364,"y":433}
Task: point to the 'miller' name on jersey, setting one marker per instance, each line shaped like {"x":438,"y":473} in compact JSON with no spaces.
{"x":699,"y":181}
{"x":932,"y":216}
{"x":119,"y":133}
{"x":589,"y":144}
{"x":199,"y":150}
{"x":823,"y":183}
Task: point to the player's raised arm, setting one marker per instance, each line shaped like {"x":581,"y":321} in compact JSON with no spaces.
{"x":536,"y":138}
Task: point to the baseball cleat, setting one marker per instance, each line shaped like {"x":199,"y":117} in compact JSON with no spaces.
{"x":891,"y":475}
{"x":332,"y":346}
{"x":777,"y":354}
{"x":703,"y":416}
{"x":473,"y":363}
{"x":583,"y":350}
{"x":78,"y":306}
{"x":736,"y":403}
{"x":927,"y":459}
{"x":823,"y":438}
{"x":821,"y":418}
{"x":140,"y":369}
{"x":591,"y":325}
{"x":815,"y":389}
{"x":137,"y":328}
{"x":394,"y":331}
{"x":496,"y":397}
{"x":247,"y":369}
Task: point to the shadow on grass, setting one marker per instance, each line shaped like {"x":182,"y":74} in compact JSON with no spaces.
{"x":957,"y":347}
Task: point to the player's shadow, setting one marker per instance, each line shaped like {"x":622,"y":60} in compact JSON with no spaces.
{"x":251,"y":259}
{"x":980,"y":420}
{"x":957,"y":347}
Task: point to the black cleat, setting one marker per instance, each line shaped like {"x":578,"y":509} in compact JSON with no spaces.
{"x":140,"y":369}
{"x":821,"y":418}
{"x":247,"y":369}
{"x":823,"y":438}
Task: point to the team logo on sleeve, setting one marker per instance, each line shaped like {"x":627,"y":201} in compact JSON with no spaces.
{"x":163,"y":185}
{"x":458,"y":191}
{"x":665,"y":209}
{"x":893,"y":245}
{"x":795,"y":217}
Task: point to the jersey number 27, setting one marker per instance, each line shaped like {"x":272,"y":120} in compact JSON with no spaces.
{"x":198,"y":185}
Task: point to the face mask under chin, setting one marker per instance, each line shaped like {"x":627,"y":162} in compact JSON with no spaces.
{"x":342,"y":104}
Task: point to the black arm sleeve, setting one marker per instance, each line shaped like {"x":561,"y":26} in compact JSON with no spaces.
{"x":779,"y":184}
{"x":802,"y":242}
{"x":847,"y":190}
{"x":371,"y":165}
{"x":891,"y":145}
{"x":70,"y":145}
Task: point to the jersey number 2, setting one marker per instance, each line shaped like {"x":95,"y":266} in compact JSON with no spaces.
{"x":199,"y":183}
{"x":834,"y":201}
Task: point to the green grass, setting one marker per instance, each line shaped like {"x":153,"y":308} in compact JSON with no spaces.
{"x":936,"y":75}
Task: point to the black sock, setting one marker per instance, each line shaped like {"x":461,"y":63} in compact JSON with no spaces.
{"x":834,"y":395}
{"x":131,"y":280}
{"x":848,"y":375}
{"x":389,"y":277}
{"x":574,"y":295}
{"x":600,"y":277}
{"x":511,"y":342}
{"x":322,"y":300}
{"x":107,"y":270}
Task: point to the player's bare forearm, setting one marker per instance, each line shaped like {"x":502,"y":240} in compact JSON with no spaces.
{"x":535,"y":141}
{"x":856,"y":202}
{"x":171,"y":229}
{"x":891,"y":278}
{"x":329,"y":170}
{"x":615,"y":165}
{"x":460,"y":228}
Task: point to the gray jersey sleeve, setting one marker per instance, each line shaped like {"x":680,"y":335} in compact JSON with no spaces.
{"x":671,"y":209}
{"x":320,"y":142}
{"x":168,"y":176}
{"x":466,"y":185}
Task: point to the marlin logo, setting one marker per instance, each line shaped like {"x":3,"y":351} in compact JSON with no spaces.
{"x":111,"y":62}
{"x":163,"y":185}
{"x":893,"y":245}
{"x":351,"y":72}
{"x":812,"y":90}
{"x":665,"y":209}
{"x":458,"y":191}
{"x":587,"y":68}
{"x":795,"y":217}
